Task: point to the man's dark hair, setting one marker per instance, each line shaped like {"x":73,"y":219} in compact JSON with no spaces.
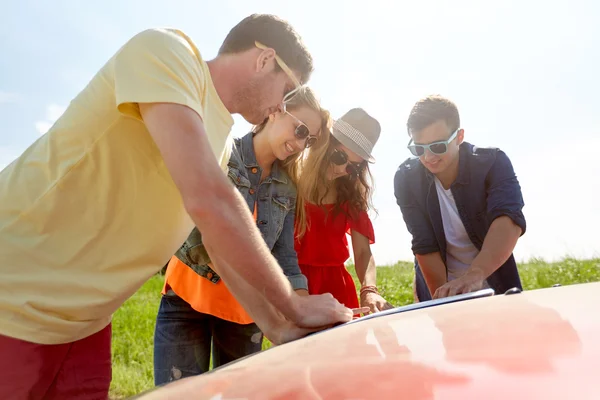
{"x":275,"y":33}
{"x":430,"y":110}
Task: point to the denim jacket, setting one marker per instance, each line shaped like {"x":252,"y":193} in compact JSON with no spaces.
{"x":275,"y":199}
{"x":486,"y":188}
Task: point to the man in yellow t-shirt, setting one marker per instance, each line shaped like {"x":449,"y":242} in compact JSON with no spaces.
{"x":96,"y":206}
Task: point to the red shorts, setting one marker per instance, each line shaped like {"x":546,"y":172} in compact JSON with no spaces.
{"x":77,"y":370}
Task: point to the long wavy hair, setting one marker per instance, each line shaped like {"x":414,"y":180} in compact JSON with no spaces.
{"x":353,"y":192}
{"x":294,"y":164}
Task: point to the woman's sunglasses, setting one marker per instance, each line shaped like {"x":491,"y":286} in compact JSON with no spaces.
{"x":302,"y":132}
{"x":339,"y":157}
{"x":437,"y":148}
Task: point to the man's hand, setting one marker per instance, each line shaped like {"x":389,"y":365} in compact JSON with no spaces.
{"x":374,"y":302}
{"x":288,"y":332}
{"x":469,"y":282}
{"x":497,"y":246}
{"x":316,"y":313}
{"x":301,"y":292}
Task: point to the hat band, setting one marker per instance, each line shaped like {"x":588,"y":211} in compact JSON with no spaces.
{"x":354,"y":134}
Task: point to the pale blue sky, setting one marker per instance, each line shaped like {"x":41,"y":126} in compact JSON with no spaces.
{"x":523,"y":73}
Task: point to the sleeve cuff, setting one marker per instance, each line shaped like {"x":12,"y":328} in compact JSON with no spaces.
{"x":423,"y":250}
{"x":517,"y":218}
{"x":131,"y":107}
{"x":298,"y":281}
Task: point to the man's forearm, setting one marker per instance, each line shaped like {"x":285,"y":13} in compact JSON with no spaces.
{"x":239,"y":252}
{"x":498,"y":245}
{"x":434,"y":270}
{"x":266,"y":315}
{"x":229,"y":232}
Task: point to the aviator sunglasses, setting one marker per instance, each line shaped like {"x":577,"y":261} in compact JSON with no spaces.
{"x":339,"y":157}
{"x":301,"y":132}
{"x":437,"y":148}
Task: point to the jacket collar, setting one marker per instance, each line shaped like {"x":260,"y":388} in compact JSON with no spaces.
{"x":247,"y":151}
{"x":464,"y":152}
{"x":249,"y":159}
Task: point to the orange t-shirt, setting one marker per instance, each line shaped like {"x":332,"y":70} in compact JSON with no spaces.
{"x":203,"y":295}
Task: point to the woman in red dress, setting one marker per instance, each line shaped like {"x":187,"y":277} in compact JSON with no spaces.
{"x":335,"y":197}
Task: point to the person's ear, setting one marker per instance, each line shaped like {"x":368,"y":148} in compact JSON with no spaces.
{"x":265,"y":60}
{"x":460,"y":136}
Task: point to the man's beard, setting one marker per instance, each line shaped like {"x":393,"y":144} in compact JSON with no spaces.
{"x":250,"y":102}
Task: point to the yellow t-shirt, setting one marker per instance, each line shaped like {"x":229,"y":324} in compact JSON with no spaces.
{"x":89,"y":211}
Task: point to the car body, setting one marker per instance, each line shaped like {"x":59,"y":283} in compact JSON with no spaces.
{"x":539,"y":344}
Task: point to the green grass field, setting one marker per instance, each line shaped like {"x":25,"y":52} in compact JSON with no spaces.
{"x":133,"y":324}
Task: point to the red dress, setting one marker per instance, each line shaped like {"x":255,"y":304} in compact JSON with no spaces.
{"x":323,"y":250}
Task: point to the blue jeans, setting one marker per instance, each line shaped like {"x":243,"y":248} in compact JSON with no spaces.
{"x":421,"y":286}
{"x":183,"y":337}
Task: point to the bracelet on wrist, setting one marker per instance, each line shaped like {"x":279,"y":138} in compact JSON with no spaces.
{"x":369,"y":289}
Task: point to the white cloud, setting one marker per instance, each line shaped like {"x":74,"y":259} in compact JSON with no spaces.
{"x":43,"y":126}
{"x":8,"y":97}
{"x":53,"y":113}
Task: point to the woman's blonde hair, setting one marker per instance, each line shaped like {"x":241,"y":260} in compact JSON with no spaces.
{"x":293,"y":165}
{"x":356,"y":192}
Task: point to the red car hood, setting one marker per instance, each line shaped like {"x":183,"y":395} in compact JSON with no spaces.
{"x":538,"y":344}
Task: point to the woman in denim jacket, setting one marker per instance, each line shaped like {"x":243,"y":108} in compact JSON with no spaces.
{"x":196,"y":307}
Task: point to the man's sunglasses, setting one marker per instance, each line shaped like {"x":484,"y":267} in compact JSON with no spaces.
{"x":339,"y":157}
{"x":301,"y":132}
{"x":437,"y":148}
